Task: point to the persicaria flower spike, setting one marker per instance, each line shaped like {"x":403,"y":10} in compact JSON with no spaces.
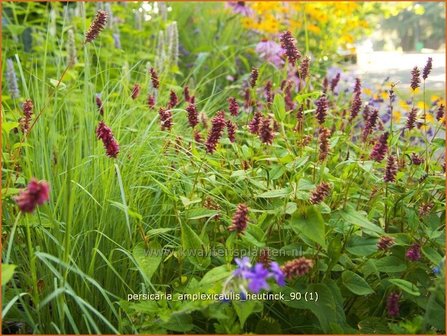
{"x":371,"y":122}
{"x":416,"y":159}
{"x":440,"y":112}
{"x":266,"y":130}
{"x":135,"y":91}
{"x":99,"y":104}
{"x":269,"y":95}
{"x":253,"y":126}
{"x":165,"y":119}
{"x":356,"y":104}
{"x":320,"y":193}
{"x":415,"y":78}
{"x":233,"y":106}
{"x":334,"y":81}
{"x":411,"y":120}
{"x":217,"y":127}
{"x":186,"y":94}
{"x":27,"y":114}
{"x":36,"y":193}
{"x":231,"y":130}
{"x":240,"y":219}
{"x":96,"y":26}
{"x":151,"y":101}
{"x":392,"y":304}
{"x":391,"y":169}
{"x":358,"y":86}
{"x":425,"y":208}
{"x":288,"y":43}
{"x":322,"y":107}
{"x":154,"y":78}
{"x":253,"y":77}
{"x":104,"y":133}
{"x":427,"y":69}
{"x":380,"y":148}
{"x":192,"y":115}
{"x":385,"y":243}
{"x":297,"y":267}
{"x":173,"y":100}
{"x":304,"y":67}
{"x":414,"y":252}
{"x":323,"y":140}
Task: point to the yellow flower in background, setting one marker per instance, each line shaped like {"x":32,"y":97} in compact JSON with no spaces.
{"x":403,"y":104}
{"x":397,"y":116}
{"x":367,"y":91}
{"x":421,"y":105}
{"x":313,"y":28}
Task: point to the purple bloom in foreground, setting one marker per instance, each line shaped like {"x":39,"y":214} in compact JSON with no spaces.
{"x":277,"y":273}
{"x":258,"y":278}
{"x":244,"y":267}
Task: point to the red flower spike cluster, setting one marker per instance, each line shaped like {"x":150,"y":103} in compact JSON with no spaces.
{"x":104,"y":133}
{"x":297,"y":267}
{"x":36,"y":193}
{"x":97,"y":26}
{"x":240,"y":219}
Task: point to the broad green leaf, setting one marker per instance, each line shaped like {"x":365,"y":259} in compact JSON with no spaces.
{"x":279,"y":107}
{"x":406,"y":286}
{"x":354,"y":217}
{"x":245,"y":308}
{"x":194,"y":248}
{"x":148,"y":259}
{"x":201,"y":213}
{"x":215,"y":275}
{"x":432,"y":255}
{"x":7,"y":126}
{"x":7,"y":273}
{"x":361,"y":246}
{"x":390,"y":264}
{"x":355,"y":283}
{"x":310,"y":225}
{"x":290,"y":208}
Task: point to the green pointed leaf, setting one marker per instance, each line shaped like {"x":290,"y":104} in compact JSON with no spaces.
{"x":355,"y":283}
{"x":194,"y":248}
{"x":7,"y":273}
{"x":148,"y":259}
{"x":406,"y":286}
{"x":357,"y":218}
{"x":310,"y":225}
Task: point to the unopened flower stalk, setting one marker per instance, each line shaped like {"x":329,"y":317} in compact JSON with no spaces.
{"x":11,"y":79}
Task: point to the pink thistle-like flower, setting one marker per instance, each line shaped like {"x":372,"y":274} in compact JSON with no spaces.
{"x":380,"y":148}
{"x":253,"y":126}
{"x":36,"y":193}
{"x":320,"y":193}
{"x":233,"y":106}
{"x":217,"y":127}
{"x":240,"y":219}
{"x":271,"y":52}
{"x":391,"y":169}
{"x":231,"y":130}
{"x":370,"y":123}
{"x":427,"y":69}
{"x":297,"y":267}
{"x":392,"y":304}
{"x":323,"y":140}
{"x":99,"y":105}
{"x":136,"y":91}
{"x":440,"y":112}
{"x":151,"y":101}
{"x":240,"y":7}
{"x":304,"y":67}
{"x":104,"y":133}
{"x":253,"y":77}
{"x":416,"y":159}
{"x":385,"y":243}
{"x":165,"y":118}
{"x":414,"y":252}
{"x":288,"y":43}
{"x":415,"y":78}
{"x":322,"y":107}
{"x":173,"y":100}
{"x":266,"y":131}
{"x":27,"y":114}
{"x":154,"y":78}
{"x":192,"y":115}
{"x":96,"y":26}
{"x":411,"y":120}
